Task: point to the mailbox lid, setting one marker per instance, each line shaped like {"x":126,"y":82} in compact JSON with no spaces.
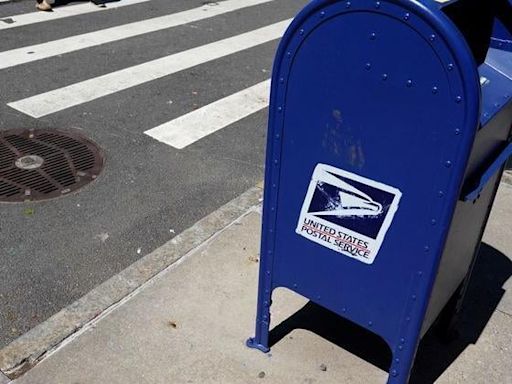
{"x":496,"y":83}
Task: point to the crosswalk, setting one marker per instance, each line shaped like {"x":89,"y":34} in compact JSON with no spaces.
{"x":25,"y":19}
{"x":175,"y":95}
{"x":84,"y":91}
{"x":178,"y":132}
{"x":74,"y":43}
{"x":212,"y":117}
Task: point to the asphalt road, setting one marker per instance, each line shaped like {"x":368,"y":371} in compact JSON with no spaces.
{"x":53,"y":252}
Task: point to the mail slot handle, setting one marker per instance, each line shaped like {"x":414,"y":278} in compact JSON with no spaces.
{"x":504,"y":45}
{"x":489,"y":173}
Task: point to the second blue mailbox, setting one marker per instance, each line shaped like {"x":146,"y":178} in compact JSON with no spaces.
{"x":389,"y":127}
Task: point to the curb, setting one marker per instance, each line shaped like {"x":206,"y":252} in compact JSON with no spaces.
{"x":26,"y":351}
{"x":3,"y":2}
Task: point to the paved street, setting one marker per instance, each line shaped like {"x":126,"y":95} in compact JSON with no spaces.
{"x":149,"y":81}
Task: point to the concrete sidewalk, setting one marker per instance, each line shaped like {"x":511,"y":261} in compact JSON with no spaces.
{"x":189,"y":325}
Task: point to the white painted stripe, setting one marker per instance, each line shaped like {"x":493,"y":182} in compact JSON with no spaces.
{"x":60,"y":13}
{"x":84,"y":91}
{"x":187,"y":129}
{"x":74,"y":43}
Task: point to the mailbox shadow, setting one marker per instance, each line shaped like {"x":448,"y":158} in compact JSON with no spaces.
{"x":492,"y":270}
{"x":338,"y":331}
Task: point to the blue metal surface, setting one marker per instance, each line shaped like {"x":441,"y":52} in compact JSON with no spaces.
{"x":502,"y":38}
{"x":496,"y":82}
{"x":496,"y":165}
{"x":379,"y":102}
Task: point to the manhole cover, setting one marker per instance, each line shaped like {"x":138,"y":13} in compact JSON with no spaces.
{"x":43,"y":164}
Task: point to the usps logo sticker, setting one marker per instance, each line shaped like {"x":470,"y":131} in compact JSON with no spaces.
{"x":347,"y":213}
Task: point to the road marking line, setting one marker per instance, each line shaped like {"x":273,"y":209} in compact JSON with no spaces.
{"x":32,"y":53}
{"x":187,"y":129}
{"x":15,"y":21}
{"x":88,"y":90}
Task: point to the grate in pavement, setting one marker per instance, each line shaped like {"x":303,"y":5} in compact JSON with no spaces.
{"x":42,"y":164}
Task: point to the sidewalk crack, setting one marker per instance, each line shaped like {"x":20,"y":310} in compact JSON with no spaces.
{"x":505,"y":313}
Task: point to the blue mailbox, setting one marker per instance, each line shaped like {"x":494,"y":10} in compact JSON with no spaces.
{"x":389,"y":128}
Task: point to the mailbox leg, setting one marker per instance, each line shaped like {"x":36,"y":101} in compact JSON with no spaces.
{"x":402,"y":366}
{"x":446,"y":326}
{"x":404,"y":352}
{"x":261,"y":339}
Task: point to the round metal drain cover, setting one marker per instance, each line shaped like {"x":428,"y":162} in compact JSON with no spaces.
{"x":43,"y":164}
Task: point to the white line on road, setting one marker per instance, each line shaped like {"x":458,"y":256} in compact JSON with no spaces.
{"x":88,"y":90}
{"x":187,"y":129}
{"x":87,"y":40}
{"x":8,"y":22}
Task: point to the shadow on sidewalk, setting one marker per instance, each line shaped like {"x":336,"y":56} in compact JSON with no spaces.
{"x":434,"y":356}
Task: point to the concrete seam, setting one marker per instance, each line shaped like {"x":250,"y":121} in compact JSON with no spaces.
{"x":509,"y":315}
{"x":4,"y":379}
{"x":29,"y":349}
{"x":507,"y":177}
